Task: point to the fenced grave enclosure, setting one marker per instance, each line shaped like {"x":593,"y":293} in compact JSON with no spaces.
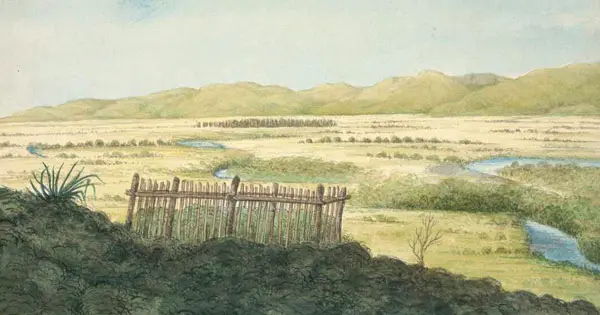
{"x":269,"y":214}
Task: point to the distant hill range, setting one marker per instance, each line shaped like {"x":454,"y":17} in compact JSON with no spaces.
{"x":569,"y":90}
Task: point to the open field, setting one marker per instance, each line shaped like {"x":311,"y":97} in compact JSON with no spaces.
{"x":465,"y":249}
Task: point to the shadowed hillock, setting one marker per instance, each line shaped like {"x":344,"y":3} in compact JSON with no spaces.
{"x":65,"y":259}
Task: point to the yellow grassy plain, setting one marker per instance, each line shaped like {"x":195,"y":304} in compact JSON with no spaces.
{"x":462,"y":247}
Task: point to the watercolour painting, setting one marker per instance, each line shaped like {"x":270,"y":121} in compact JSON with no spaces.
{"x":299,"y":157}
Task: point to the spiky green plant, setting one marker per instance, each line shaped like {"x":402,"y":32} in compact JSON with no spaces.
{"x":47,"y":187}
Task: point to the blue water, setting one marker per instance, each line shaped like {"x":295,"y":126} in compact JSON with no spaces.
{"x":548,"y":241}
{"x":223,"y":174}
{"x":493,"y":166}
{"x":201,"y":144}
{"x":556,"y":245}
{"x":35,"y":151}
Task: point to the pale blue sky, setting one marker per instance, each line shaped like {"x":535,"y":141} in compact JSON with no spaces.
{"x":52,"y":51}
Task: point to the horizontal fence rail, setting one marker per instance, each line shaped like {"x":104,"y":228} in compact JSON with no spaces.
{"x":270,"y":214}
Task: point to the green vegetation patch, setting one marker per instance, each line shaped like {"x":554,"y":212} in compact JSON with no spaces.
{"x":288,"y":169}
{"x":574,"y":215}
{"x":571,"y":179}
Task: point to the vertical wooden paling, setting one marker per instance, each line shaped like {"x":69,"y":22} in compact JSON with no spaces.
{"x":190,"y":206}
{"x":218,"y":208}
{"x":327,"y":210}
{"x":147,"y":210}
{"x":141,"y":212}
{"x":294,"y":207}
{"x":135,"y":184}
{"x":280,"y":214}
{"x":319,"y":212}
{"x":272,"y":212}
{"x":231,"y":204}
{"x":159,"y":210}
{"x":340,"y":213}
{"x":152,"y":208}
{"x":180,"y":207}
{"x":171,"y":209}
{"x":299,"y":214}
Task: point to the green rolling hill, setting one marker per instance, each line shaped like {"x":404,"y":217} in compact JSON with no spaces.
{"x":569,"y":90}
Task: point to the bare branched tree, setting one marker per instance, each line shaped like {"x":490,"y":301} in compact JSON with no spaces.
{"x":424,"y":238}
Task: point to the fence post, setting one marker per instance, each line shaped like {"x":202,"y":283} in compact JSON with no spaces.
{"x":273,"y":211}
{"x":320,"y":196}
{"x":135,"y":185}
{"x":340,"y":213}
{"x":235,"y":183}
{"x":171,"y":209}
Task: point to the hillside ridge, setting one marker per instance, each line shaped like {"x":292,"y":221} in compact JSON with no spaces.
{"x":570,"y":90}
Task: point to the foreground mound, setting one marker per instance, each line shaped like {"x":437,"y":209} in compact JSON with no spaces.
{"x":65,"y":259}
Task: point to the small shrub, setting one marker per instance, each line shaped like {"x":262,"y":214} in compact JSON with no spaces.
{"x":424,"y":237}
{"x":419,"y":140}
{"x":69,"y":145}
{"x":433,"y":158}
{"x":325,"y":140}
{"x":382,"y":155}
{"x":483,"y":236}
{"x":386,"y":218}
{"x":396,"y":139}
{"x":398,"y":155}
{"x":337,"y":139}
{"x":366,"y":140}
{"x":407,"y":139}
{"x":352,"y":139}
{"x":502,"y":250}
{"x":347,"y":238}
{"x":66,"y":156}
{"x":99,"y":143}
{"x":486,"y":250}
{"x":468,"y":251}
{"x":416,"y":156}
{"x":309,"y":140}
{"x":370,"y":154}
{"x":452,"y":159}
{"x":500,"y":236}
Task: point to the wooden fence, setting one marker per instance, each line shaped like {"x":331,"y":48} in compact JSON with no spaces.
{"x":269,"y":214}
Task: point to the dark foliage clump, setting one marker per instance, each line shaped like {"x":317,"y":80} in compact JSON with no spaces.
{"x":268,"y":123}
{"x":65,"y":259}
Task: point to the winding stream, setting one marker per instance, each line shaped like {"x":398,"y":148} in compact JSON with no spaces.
{"x":553,"y":244}
{"x":548,"y":241}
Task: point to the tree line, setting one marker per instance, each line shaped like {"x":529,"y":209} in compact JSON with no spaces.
{"x":268,"y":123}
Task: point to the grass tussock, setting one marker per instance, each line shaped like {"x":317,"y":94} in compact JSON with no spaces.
{"x":66,"y":259}
{"x":50,"y":187}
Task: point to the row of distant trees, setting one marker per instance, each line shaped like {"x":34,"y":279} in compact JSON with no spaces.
{"x":99,"y":143}
{"x":268,"y":123}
